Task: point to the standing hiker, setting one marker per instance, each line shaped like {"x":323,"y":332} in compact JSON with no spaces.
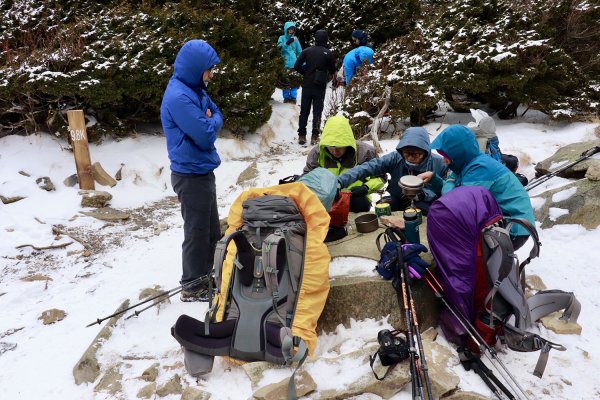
{"x":412,"y":157}
{"x":354,"y":58}
{"x":317,"y":65}
{"x":191,"y":122}
{"x":338,"y":151}
{"x":290,"y":50}
{"x":471,"y":167}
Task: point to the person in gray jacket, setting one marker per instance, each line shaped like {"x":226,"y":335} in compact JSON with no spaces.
{"x":412,"y":157}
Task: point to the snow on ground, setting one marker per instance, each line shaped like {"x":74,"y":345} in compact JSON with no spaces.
{"x":93,"y":287}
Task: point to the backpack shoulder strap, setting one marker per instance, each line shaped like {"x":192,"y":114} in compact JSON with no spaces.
{"x":390,"y":234}
{"x":243,"y":250}
{"x":535,"y":251}
{"x":271,"y":265}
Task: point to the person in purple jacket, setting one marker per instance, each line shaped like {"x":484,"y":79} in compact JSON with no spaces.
{"x":191,"y":122}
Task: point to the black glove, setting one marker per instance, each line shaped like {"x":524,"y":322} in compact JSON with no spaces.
{"x":290,"y":41}
{"x":359,"y":191}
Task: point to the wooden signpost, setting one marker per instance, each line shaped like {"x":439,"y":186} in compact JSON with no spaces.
{"x":81,"y":149}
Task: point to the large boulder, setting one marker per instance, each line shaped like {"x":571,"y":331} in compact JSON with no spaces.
{"x":575,"y":203}
{"x":566,"y":155}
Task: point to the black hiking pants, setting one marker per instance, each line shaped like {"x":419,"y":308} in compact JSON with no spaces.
{"x":314,"y":97}
{"x":201,"y":229}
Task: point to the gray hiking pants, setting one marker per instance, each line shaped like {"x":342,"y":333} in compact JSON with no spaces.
{"x":198,"y":197}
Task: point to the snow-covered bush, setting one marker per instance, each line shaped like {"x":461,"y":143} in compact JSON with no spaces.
{"x":114,"y":59}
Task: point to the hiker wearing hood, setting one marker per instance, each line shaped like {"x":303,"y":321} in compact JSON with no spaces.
{"x":338,"y":151}
{"x":412,"y":157}
{"x":191,"y":122}
{"x":470,"y":167}
{"x":317,"y":65}
{"x":355,"y":58}
{"x":290,"y":50}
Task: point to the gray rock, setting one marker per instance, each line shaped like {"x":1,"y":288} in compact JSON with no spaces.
{"x":566,"y":155}
{"x":119,"y":174}
{"x":101,"y":176}
{"x":248,"y":175}
{"x":151,"y":373}
{"x":8,"y":200}
{"x":534,"y":282}
{"x":147,"y":391}
{"x":583,"y":207}
{"x":279,"y":391}
{"x":71,"y":181}
{"x":45,"y":183}
{"x":7,"y":346}
{"x":255,"y":370}
{"x":51,"y":316}
{"x":394,"y":382}
{"x":360,"y":297}
{"x":110,"y":381}
{"x":556,"y":325}
{"x":460,"y":395}
{"x":94,"y":198}
{"x":443,"y":380}
{"x":172,"y":386}
{"x":87,"y":368}
{"x":106,"y":214}
{"x":593,"y":172}
{"x":191,"y":393}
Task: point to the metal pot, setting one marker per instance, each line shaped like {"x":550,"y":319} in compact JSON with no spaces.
{"x":411,"y":185}
{"x":366,"y":223}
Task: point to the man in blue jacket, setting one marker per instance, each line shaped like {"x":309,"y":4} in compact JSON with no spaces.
{"x":471,"y":167}
{"x":412,"y":157}
{"x":191,"y":122}
{"x":290,"y":50}
{"x":354,"y":58}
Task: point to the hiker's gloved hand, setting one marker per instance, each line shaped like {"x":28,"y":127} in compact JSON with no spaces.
{"x":290,"y":41}
{"x":359,"y":191}
{"x":417,"y":267}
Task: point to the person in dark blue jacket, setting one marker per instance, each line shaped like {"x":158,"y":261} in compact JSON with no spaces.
{"x":412,"y":157}
{"x":191,"y":122}
{"x":471,"y":167}
{"x":354,"y":58}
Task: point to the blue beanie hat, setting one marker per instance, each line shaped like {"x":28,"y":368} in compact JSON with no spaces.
{"x":360,"y":35}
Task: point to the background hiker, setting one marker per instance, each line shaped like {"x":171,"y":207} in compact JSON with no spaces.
{"x":412,"y":157}
{"x":317,"y":65}
{"x":471,"y":167}
{"x":512,"y":163}
{"x":338,"y":151}
{"x":191,"y":122}
{"x":484,"y":129}
{"x":355,"y":57}
{"x":290,"y":50}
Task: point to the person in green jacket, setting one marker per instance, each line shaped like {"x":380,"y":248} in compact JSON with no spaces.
{"x":338,"y":151}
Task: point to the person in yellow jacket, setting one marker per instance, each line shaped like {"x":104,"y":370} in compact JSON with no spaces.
{"x":338,"y":151}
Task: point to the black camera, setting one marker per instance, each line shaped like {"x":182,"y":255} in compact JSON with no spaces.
{"x":392,"y":347}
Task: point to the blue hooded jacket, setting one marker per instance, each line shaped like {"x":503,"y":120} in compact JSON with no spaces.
{"x":474,"y":168}
{"x":190,"y":134}
{"x":397,"y":167}
{"x":290,"y":52}
{"x":354,"y":59}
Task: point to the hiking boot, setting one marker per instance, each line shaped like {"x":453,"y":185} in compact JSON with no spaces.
{"x":302,"y":139}
{"x":198,"y":293}
{"x":314,"y":139}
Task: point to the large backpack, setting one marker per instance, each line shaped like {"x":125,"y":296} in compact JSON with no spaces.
{"x":272,"y":275}
{"x":481,"y":275}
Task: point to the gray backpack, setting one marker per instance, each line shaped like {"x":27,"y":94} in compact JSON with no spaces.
{"x":261,"y":293}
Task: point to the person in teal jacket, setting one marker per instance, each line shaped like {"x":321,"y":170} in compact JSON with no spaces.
{"x":290,"y":50}
{"x":354,"y":58}
{"x":470,"y":167}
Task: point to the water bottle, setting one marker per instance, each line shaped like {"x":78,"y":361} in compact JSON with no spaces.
{"x":411,"y":225}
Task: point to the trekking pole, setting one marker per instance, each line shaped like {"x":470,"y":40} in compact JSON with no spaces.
{"x":494,"y":379}
{"x":180,"y":287}
{"x":422,"y":357}
{"x":584,"y":156}
{"x":417,"y":386}
{"x":167,"y":296}
{"x":479,"y":341}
